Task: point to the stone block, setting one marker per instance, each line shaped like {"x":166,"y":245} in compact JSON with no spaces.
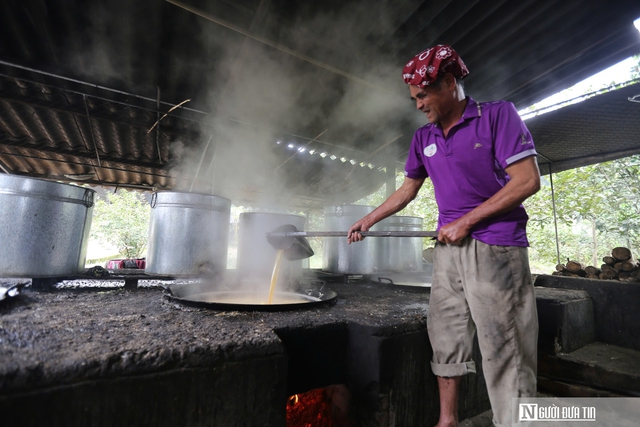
{"x":565,"y":317}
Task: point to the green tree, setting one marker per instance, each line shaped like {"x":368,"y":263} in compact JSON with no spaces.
{"x":597,"y":209}
{"x":122,"y":219}
{"x":635,"y":69}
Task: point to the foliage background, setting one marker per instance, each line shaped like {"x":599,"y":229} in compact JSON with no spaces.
{"x":122,"y":219}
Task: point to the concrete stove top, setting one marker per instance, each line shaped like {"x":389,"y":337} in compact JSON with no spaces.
{"x":116,"y":349}
{"x":63,"y":335}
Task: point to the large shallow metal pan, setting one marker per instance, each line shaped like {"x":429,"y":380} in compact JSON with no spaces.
{"x":234,"y":300}
{"x":415,"y":283}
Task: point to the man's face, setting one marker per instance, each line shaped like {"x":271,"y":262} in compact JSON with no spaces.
{"x":435,"y":100}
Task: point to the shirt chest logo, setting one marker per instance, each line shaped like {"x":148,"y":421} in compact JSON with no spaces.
{"x":430,"y":150}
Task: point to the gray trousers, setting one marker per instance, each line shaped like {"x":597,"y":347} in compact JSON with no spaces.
{"x":488,"y":288}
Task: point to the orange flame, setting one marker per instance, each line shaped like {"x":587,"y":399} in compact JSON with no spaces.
{"x":309,"y":409}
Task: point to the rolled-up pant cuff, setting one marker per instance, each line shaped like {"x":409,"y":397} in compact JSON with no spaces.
{"x":453,"y":369}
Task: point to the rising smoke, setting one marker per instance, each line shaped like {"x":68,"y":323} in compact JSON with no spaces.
{"x":257,"y":95}
{"x":261,"y":93}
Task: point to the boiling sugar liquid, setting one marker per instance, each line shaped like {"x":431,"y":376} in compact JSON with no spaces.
{"x":274,"y":276}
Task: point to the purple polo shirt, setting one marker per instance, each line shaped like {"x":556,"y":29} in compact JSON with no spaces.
{"x":467,"y":167}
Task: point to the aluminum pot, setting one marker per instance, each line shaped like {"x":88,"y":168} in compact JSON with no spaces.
{"x":400,"y":253}
{"x":256,"y":257}
{"x":188,"y":234}
{"x":44,"y":227}
{"x":340,"y":257}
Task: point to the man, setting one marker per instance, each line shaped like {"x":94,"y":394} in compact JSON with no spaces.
{"x":482,"y":162}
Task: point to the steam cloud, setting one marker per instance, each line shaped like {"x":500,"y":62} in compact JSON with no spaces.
{"x":260,"y":94}
{"x":257,"y":94}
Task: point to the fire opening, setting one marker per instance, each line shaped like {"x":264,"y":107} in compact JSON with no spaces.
{"x":322,"y":407}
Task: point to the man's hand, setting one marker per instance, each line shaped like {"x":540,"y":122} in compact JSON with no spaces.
{"x":353,"y":234}
{"x":454,"y":232}
{"x":525,"y":181}
{"x":395,"y":203}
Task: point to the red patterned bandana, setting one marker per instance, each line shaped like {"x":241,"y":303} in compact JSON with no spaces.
{"x":428,"y":65}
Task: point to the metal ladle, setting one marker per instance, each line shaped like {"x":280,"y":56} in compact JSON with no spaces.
{"x":295,"y":245}
{"x":293,"y":248}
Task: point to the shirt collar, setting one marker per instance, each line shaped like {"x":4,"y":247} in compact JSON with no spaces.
{"x":473,"y":109}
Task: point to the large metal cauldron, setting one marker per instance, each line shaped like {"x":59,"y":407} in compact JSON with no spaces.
{"x":188,"y":234}
{"x":340,"y":257}
{"x":44,"y":227}
{"x":400,"y":253}
{"x":256,"y":257}
{"x":243,"y":300}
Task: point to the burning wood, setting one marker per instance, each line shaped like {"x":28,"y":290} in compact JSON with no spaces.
{"x":325,"y":407}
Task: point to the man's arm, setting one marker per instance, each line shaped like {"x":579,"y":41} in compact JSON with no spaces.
{"x":395,"y":203}
{"x":524,"y":182}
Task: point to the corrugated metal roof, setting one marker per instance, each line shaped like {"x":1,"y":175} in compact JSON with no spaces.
{"x":604,"y":127}
{"x":56,"y":133}
{"x":83,"y":82}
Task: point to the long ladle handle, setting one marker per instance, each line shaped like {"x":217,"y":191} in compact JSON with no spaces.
{"x":364,"y":234}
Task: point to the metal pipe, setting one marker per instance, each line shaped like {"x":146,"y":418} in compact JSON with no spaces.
{"x":158,"y":129}
{"x":86,"y":146}
{"x":212,"y":166}
{"x":195,"y":178}
{"x":555,"y":217}
{"x":363,"y":233}
{"x":57,"y":76}
{"x":95,"y":147}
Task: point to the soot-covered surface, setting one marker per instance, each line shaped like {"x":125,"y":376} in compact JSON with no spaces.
{"x":63,"y":336}
{"x":112,"y":357}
